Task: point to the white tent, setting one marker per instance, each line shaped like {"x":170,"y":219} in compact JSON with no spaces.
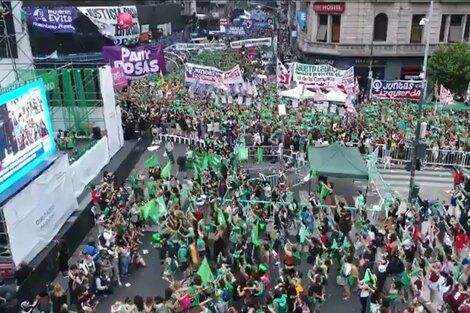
{"x":336,"y":96}
{"x":298,"y":92}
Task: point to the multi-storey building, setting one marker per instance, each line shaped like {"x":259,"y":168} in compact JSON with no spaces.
{"x":390,"y":33}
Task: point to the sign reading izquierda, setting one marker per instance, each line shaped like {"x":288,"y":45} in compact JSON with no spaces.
{"x":396,"y":89}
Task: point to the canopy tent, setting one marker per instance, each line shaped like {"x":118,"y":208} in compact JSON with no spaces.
{"x":337,"y":160}
{"x":299,"y":92}
{"x":336,"y":96}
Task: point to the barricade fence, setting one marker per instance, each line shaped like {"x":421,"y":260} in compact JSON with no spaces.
{"x":433,"y":157}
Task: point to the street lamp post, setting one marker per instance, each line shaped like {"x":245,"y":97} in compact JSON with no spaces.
{"x":414,"y":155}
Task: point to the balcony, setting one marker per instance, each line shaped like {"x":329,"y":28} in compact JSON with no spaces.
{"x":361,"y":50}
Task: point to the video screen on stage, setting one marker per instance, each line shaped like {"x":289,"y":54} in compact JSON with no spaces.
{"x":26,"y":136}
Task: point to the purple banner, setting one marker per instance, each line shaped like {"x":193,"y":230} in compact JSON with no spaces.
{"x":136,"y":62}
{"x":119,"y":79}
{"x":52,"y":20}
{"x":396,"y":89}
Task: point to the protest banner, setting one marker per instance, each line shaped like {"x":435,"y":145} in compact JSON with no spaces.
{"x":212,"y":75}
{"x":119,"y":79}
{"x":321,"y":74}
{"x":257,"y":42}
{"x":235,"y":31}
{"x":198,"y":46}
{"x":105,"y":18}
{"x":233,"y":76}
{"x":52,"y":20}
{"x":396,"y":89}
{"x":136,"y":62}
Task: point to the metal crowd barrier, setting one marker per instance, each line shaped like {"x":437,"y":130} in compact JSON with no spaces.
{"x":442,"y":157}
{"x":182,"y":140}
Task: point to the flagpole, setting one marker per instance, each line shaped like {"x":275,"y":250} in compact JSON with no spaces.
{"x":413,"y":189}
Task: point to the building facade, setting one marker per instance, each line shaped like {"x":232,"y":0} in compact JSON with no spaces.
{"x":390,"y":35}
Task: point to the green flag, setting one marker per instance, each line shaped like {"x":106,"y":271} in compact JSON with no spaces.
{"x":242,"y":153}
{"x":405,"y":279}
{"x":368,"y":277}
{"x":334,"y":245}
{"x":221,"y":218}
{"x":345,"y":245}
{"x":255,"y":235}
{"x":260,"y":154}
{"x":148,"y":209}
{"x":166,"y":171}
{"x":205,"y":272}
{"x":161,"y":209}
{"x":152,"y":162}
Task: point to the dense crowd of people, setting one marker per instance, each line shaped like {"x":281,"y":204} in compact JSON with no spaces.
{"x":230,"y":242}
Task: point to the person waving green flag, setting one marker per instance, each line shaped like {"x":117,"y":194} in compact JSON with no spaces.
{"x":166,"y":170}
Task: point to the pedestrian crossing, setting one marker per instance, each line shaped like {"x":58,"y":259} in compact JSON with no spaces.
{"x":432,"y":181}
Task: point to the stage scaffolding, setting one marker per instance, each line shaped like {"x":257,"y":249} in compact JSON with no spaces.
{"x":73,"y":92}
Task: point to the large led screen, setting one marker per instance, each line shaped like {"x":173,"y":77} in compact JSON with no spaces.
{"x":26,"y":137}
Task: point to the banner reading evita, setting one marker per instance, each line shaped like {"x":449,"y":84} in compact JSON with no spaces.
{"x":105,"y":18}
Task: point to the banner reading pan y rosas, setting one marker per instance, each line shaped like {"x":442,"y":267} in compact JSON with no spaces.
{"x":136,"y":62}
{"x":396,"y":89}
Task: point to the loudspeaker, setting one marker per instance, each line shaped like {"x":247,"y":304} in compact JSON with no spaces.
{"x":96,"y":133}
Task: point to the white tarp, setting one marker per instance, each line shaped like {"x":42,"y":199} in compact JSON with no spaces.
{"x":105,"y":19}
{"x":299,"y":92}
{"x":336,"y":96}
{"x":89,"y":165}
{"x":247,"y":43}
{"x":36,"y":214}
{"x":112,"y":121}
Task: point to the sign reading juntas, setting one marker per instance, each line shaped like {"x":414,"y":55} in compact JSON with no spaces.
{"x":105,"y":18}
{"x":212,"y":75}
{"x":396,"y":89}
{"x":257,"y":42}
{"x":136,"y":62}
{"x":52,"y":20}
{"x":324,"y":74}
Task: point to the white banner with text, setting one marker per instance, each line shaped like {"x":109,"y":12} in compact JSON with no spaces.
{"x":36,"y":214}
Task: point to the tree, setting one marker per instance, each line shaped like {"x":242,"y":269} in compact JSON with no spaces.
{"x":450,"y":66}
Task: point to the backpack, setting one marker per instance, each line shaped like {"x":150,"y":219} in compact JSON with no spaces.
{"x":226,"y":296}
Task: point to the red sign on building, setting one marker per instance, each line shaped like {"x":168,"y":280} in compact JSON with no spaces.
{"x":329,"y":7}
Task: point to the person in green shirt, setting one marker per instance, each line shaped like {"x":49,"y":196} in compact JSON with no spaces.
{"x":182,"y":255}
{"x":136,"y":187}
{"x":280,"y":302}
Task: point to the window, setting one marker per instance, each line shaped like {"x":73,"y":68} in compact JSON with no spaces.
{"x":466,"y":32}
{"x":322,"y":33}
{"x":380,"y":27}
{"x":335,"y":28}
{"x":442,"y":31}
{"x":416,"y":35}
{"x":455,"y":29}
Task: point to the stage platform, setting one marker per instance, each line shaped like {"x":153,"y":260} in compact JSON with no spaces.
{"x":80,"y":222}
